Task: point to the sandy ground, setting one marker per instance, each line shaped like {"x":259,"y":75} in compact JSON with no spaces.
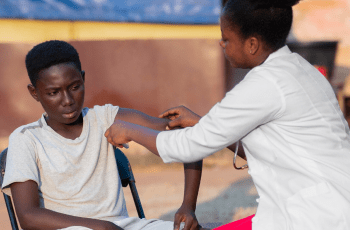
{"x":225,"y":195}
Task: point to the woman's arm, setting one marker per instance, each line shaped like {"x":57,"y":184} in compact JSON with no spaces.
{"x":26,"y":200}
{"x":183,"y":117}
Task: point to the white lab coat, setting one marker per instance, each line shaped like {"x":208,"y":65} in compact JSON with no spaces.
{"x":295,"y":138}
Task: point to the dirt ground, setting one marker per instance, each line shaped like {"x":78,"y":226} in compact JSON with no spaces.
{"x":225,"y":194}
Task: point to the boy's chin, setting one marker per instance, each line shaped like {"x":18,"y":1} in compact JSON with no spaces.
{"x":75,"y":120}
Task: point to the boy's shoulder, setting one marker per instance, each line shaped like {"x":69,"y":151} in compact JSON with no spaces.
{"x":26,"y":133}
{"x":37,"y":126}
{"x":31,"y":126}
{"x":103,"y":107}
{"x":107,"y":111}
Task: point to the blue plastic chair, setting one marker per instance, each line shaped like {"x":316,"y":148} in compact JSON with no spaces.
{"x":125,"y":174}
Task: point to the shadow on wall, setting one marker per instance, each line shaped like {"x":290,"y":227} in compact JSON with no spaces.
{"x":343,"y":85}
{"x":340,"y":75}
{"x":236,"y":198}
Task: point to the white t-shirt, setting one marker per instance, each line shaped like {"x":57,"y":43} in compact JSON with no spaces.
{"x":76,"y":177}
{"x":295,"y":138}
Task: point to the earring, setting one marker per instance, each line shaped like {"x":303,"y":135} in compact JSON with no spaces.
{"x":250,"y":52}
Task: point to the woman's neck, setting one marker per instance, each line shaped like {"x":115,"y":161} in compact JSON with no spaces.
{"x":260,"y":57}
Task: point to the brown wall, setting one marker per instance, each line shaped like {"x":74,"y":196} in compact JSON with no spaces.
{"x":148,"y":75}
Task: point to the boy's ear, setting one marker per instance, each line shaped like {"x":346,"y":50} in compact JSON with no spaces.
{"x":83,"y":75}
{"x":32,"y":91}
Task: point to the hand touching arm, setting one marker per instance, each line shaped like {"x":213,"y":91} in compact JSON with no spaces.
{"x":183,"y":117}
{"x":122,"y":132}
{"x":180,"y":117}
{"x":26,"y":200}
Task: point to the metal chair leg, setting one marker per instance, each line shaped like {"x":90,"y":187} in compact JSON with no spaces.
{"x":11,"y":212}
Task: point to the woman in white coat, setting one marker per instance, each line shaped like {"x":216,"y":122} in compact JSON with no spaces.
{"x":286,"y":115}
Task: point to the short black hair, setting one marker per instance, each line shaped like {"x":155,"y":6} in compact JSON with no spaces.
{"x":47,"y":54}
{"x":271,"y":20}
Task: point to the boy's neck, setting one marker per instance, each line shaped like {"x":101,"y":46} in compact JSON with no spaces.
{"x":69,"y":131}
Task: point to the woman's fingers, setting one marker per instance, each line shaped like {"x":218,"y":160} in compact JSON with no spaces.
{"x":180,"y":117}
{"x":175,"y":111}
{"x":169,"y":112}
{"x":177,"y":123}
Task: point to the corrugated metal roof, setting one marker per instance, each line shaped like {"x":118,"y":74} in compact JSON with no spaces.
{"x":148,"y":11}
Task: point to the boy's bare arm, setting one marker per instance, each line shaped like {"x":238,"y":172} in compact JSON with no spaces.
{"x":186,"y":213}
{"x":26,"y":200}
{"x":140,"y":118}
{"x":193,"y":171}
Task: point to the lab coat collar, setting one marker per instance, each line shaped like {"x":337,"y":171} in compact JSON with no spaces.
{"x":280,"y":52}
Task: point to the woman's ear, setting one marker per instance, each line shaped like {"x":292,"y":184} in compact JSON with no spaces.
{"x":32,"y":91}
{"x":253,"y":45}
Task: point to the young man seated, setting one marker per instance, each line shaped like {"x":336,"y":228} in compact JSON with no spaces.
{"x":61,"y":170}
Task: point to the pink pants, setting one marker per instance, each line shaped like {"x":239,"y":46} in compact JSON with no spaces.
{"x":242,"y":224}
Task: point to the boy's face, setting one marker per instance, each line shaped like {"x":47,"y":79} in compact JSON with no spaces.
{"x":60,"y":90}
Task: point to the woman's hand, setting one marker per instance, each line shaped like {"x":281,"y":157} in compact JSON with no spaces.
{"x":116,"y":134}
{"x":180,"y":117}
{"x":187,"y":215}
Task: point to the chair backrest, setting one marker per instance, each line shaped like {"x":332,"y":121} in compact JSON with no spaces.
{"x":123,"y":165}
{"x":8,"y":201}
{"x":125,"y":174}
{"x":127,"y":178}
{"x":2,"y":165}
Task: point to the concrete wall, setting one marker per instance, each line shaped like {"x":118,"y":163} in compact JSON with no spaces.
{"x":148,"y":75}
{"x":325,"y":20}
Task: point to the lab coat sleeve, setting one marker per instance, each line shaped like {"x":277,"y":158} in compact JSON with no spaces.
{"x":254,"y":101}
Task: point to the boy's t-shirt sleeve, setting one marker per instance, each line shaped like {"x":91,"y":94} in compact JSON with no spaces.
{"x":21,"y":162}
{"x":107,"y":113}
{"x":111,"y":112}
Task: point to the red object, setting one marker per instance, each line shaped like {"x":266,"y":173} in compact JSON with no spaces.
{"x":323,"y":70}
{"x":242,"y":224}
